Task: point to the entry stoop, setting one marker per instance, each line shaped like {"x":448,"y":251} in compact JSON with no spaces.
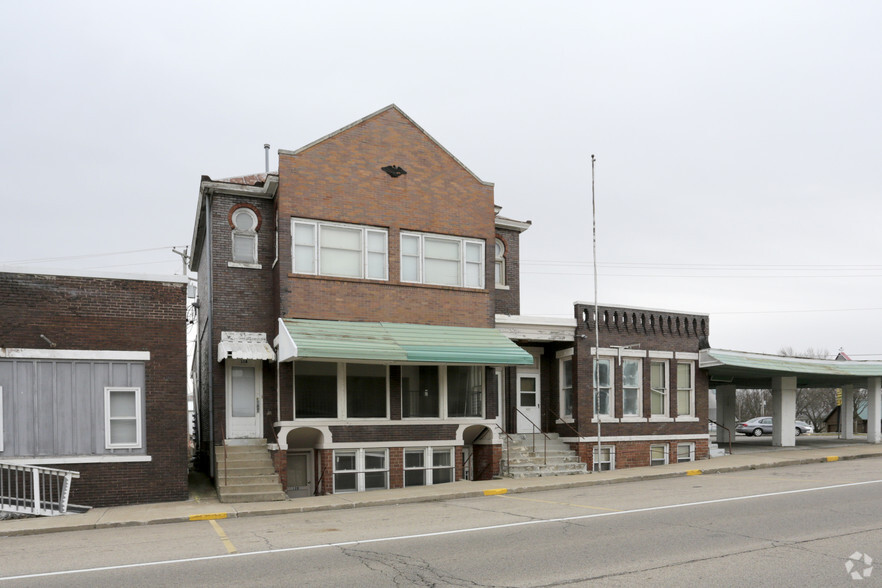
{"x":245,"y":472}
{"x":552,"y":457}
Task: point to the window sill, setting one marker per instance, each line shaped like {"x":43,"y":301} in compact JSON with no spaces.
{"x":660,"y":419}
{"x":244,"y":265}
{"x":605,"y":419}
{"x":687,"y":419}
{"x":633,"y":419}
{"x":502,"y":287}
{"x":565,"y":420}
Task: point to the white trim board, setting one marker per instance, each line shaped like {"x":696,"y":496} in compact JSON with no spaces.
{"x":76,"y":354}
{"x":622,"y":438}
{"x":74,"y":459}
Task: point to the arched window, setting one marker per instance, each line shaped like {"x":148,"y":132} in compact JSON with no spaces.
{"x":500,"y":263}
{"x":244,"y":223}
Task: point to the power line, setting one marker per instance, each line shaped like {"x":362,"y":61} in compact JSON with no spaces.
{"x":87,"y":256}
{"x":702,"y":276}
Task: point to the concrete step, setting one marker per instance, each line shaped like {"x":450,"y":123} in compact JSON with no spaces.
{"x":250,"y":479}
{"x":267,"y":496}
{"x":245,"y":472}
{"x":246,"y":488}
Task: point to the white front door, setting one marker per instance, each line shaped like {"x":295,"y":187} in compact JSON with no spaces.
{"x":244,"y":383}
{"x":300,"y":474}
{"x":528,"y":403}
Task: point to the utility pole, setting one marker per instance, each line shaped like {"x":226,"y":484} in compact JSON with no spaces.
{"x":185,"y":257}
{"x":596,"y":317}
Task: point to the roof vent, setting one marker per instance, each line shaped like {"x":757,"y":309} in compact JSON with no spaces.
{"x":394,"y":170}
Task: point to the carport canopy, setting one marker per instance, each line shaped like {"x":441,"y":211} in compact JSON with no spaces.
{"x":730,"y":370}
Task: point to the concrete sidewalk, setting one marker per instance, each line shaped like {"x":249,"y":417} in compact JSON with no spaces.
{"x":204,"y":504}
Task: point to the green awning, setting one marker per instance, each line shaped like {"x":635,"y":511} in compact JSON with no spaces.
{"x":755,"y":369}
{"x":396,"y":343}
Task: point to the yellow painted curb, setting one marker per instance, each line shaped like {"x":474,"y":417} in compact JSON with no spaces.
{"x":832,"y":458}
{"x":495,"y":491}
{"x":208,"y":517}
{"x":693,"y":472}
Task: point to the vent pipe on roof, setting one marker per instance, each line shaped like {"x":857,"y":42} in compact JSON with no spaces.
{"x":266,"y":156}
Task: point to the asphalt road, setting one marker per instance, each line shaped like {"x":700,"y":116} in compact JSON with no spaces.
{"x":792,"y":526}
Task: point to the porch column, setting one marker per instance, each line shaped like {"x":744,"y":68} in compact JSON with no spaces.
{"x":784,"y":411}
{"x":725,"y":412}
{"x":874,"y":410}
{"x":846,"y":413}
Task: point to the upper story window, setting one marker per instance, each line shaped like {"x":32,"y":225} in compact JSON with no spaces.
{"x":604,"y":381}
{"x":339,"y":250}
{"x":500,"y":263}
{"x":658,"y":382}
{"x":245,"y":224}
{"x":631,"y":387}
{"x":685,"y":389}
{"x":441,"y":260}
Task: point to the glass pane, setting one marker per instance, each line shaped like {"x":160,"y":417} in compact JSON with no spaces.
{"x":344,"y":461}
{"x":410,"y":269}
{"x":528,"y":399}
{"x":442,"y":476}
{"x":500,"y":249}
{"x":122,"y":403}
{"x":375,"y":481}
{"x":344,"y":482}
{"x":315,"y":389}
{"x":658,"y":402}
{"x":473,"y":252}
{"x":567,"y":369}
{"x":415,"y":477}
{"x":441,"y":457}
{"x":420,"y":391}
{"x":684,"y":375}
{"x":365,"y":390}
{"x":243,"y":247}
{"x":657,"y":452}
{"x":528,"y":384}
{"x":304,"y":259}
{"x":304,"y":234}
{"x":630,"y":373}
{"x":629,"y":401}
{"x":657,"y":374}
{"x":244,"y":399}
{"x":445,"y":273}
{"x":441,"y":249}
{"x":465,"y":391}
{"x":376,"y":241}
{"x":413,"y":459}
{"x":375,"y":460}
{"x":684,"y":452}
{"x":474,"y":275}
{"x":603,"y":401}
{"x":684,"y":402}
{"x":602,"y":376}
{"x":500,"y":278}
{"x":410,"y":245}
{"x":340,"y":262}
{"x":124,"y":432}
{"x":376,"y":266}
{"x":243,"y":221}
{"x":341,"y":238}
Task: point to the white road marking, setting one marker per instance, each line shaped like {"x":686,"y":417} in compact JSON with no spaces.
{"x":436,"y":533}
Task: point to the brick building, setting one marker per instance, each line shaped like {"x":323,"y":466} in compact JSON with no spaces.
{"x":357,"y":317}
{"x":93,"y":378}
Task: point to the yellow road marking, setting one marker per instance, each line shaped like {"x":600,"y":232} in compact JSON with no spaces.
{"x":223,"y":536}
{"x":207,"y":517}
{"x":495,"y":491}
{"x":832,"y":458}
{"x":563,"y":503}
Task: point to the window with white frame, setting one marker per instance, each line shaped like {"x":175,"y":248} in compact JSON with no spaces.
{"x":339,"y":250}
{"x":428,"y":466}
{"x":442,"y":260}
{"x":465,"y":391}
{"x":244,"y":222}
{"x":685,"y":452}
{"x":605,"y":459}
{"x":685,"y":389}
{"x":122,"y":418}
{"x":632,"y":388}
{"x":658,"y":383}
{"x":500,"y":263}
{"x":658,"y":454}
{"x":566,"y":385}
{"x":603,"y":381}
{"x":360,"y":470}
{"x":323,"y":389}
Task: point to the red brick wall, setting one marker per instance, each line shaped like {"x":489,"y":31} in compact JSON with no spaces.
{"x":339,"y":179}
{"x":122,"y":315}
{"x":486,"y":460}
{"x":629,"y":454}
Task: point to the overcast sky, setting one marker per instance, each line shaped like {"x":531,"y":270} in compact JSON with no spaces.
{"x":738,"y":145}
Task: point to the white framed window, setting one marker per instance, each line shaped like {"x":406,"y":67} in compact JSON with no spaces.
{"x":685,"y":389}
{"x":330,"y":390}
{"x":499,"y":262}
{"x":658,"y":454}
{"x":420,"y":391}
{"x":565,"y":382}
{"x":632,"y":387}
{"x":122,"y":418}
{"x":603,"y":380}
{"x":244,"y":236}
{"x":428,"y":466}
{"x":465,"y":391}
{"x":441,"y":260}
{"x":606,"y":459}
{"x":658,"y":383}
{"x":360,"y":470}
{"x":339,"y":250}
{"x":685,"y":452}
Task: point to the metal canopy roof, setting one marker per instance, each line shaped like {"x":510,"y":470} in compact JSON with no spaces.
{"x":396,"y":343}
{"x":755,"y":370}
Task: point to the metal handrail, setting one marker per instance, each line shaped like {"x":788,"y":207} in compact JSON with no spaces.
{"x":538,"y":428}
{"x":727,"y":430}
{"x":507,"y":446}
{"x":34,"y":490}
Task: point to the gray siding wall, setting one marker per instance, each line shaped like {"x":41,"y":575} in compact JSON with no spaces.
{"x":56,"y":407}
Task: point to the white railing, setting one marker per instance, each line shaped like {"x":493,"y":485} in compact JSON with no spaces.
{"x":34,"y":490}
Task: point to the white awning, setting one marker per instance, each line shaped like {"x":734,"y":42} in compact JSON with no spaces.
{"x":239,"y":345}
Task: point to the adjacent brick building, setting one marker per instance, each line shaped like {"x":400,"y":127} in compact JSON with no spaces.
{"x":93,"y":378}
